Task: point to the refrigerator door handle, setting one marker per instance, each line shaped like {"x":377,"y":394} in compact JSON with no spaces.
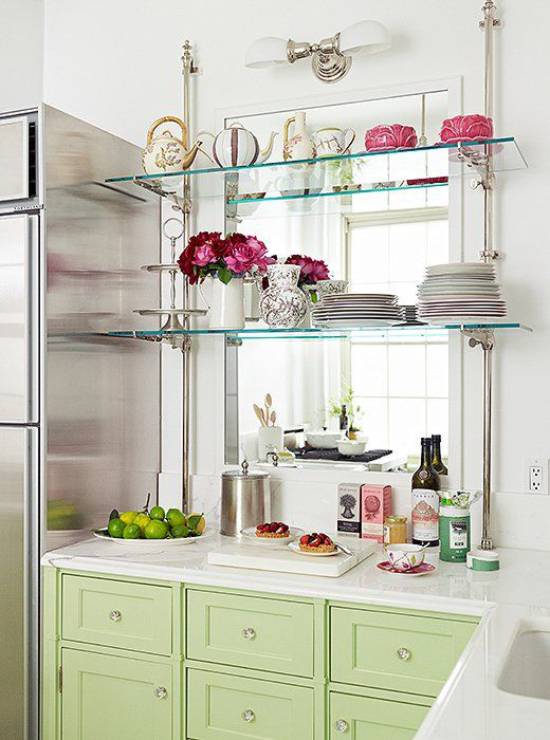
{"x":32,"y":316}
{"x":32,"y":538}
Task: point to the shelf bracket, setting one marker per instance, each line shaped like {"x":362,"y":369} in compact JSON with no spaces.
{"x":233,"y":341}
{"x":155,"y":187}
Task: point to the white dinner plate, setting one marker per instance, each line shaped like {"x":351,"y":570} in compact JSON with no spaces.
{"x":452,"y":268}
{"x":295,"y":547}
{"x":249,"y":536}
{"x":356,"y":323}
{"x":377,"y":296}
{"x":437,"y":320}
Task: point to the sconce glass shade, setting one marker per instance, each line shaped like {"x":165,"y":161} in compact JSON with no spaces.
{"x":367,"y":37}
{"x":266,"y":52}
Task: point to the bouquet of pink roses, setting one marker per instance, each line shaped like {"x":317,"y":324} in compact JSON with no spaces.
{"x":207,"y":253}
{"x":311,"y":270}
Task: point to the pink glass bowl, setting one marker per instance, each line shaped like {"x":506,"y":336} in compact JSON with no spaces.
{"x":385,"y":137}
{"x":473,"y":127}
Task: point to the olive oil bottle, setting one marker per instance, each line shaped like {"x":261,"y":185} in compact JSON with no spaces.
{"x":425,"y":499}
{"x":437,"y":460}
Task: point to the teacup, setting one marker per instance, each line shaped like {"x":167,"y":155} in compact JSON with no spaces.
{"x":332,"y":140}
{"x":405,"y":557}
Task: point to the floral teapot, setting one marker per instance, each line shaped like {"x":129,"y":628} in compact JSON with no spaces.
{"x":236,"y":146}
{"x":165,"y":152}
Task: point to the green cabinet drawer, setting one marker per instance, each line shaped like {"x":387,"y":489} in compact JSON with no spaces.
{"x":251,"y":632}
{"x":134,"y":616}
{"x":401,"y":652}
{"x":221,"y":706}
{"x":363,"y":718}
{"x":116,"y":698}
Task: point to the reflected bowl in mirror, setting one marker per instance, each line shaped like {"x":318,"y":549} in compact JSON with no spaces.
{"x":351,"y":447}
{"x":322,"y":439}
{"x":404,"y":557}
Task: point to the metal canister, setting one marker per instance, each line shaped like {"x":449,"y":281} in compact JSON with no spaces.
{"x":246,"y":500}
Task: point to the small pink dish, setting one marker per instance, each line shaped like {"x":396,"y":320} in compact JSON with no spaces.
{"x":472,"y":127}
{"x":421,"y":570}
{"x":386,"y":137}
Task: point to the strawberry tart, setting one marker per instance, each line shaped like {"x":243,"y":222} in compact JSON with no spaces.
{"x":316,"y":542}
{"x":273,"y":530}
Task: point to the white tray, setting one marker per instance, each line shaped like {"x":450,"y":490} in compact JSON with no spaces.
{"x":240,"y":555}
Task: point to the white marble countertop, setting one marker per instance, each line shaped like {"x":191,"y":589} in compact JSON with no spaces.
{"x":470,"y":705}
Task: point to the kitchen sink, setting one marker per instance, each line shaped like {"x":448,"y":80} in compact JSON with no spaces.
{"x":527,"y":665}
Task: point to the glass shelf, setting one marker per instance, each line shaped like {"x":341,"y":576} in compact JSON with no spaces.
{"x":338,"y":176}
{"x":261,"y":332}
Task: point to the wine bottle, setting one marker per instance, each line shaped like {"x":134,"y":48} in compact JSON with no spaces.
{"x":437,"y":460}
{"x":425,"y":500}
{"x":344,"y":421}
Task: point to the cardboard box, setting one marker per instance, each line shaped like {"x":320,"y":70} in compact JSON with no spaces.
{"x":376,"y":505}
{"x":348,"y":518}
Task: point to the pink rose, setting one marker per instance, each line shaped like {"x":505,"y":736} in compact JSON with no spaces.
{"x":204,"y":255}
{"x":311,"y":270}
{"x":246,"y":253}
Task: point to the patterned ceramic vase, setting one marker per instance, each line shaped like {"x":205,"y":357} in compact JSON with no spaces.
{"x":282,"y":304}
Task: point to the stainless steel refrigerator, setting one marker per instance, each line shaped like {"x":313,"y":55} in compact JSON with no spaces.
{"x":79,"y":410}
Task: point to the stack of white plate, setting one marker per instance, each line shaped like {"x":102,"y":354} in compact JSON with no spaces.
{"x":356,"y":310}
{"x":460,"y":292}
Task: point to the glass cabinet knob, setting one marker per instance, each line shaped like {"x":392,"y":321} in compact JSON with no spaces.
{"x":341,"y":725}
{"x":115,"y":616}
{"x":404,"y":654}
{"x":249,"y":633}
{"x":161,"y":692}
{"x":248,"y":715}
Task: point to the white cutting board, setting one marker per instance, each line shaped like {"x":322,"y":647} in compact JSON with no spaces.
{"x":283,"y":560}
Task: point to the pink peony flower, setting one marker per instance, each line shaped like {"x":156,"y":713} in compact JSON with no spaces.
{"x":204,"y":255}
{"x":246,"y":253}
{"x":311,"y":270}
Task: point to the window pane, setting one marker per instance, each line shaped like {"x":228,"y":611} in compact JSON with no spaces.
{"x":407,"y":370}
{"x":437,"y":242}
{"x":369,"y":370}
{"x":374,"y":422}
{"x":438,"y":370}
{"x":407,"y":424}
{"x":407,"y":251}
{"x":438,"y":421}
{"x":369,"y":253}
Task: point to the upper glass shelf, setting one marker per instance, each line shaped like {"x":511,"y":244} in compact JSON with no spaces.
{"x":264,"y":332}
{"x":338,"y":176}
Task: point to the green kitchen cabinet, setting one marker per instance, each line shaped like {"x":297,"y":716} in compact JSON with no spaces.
{"x":365,"y":718}
{"x":114,"y":698}
{"x":413,"y":653}
{"x":226,"y":706}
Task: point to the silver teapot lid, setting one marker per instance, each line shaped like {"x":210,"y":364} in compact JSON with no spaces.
{"x":244,"y":472}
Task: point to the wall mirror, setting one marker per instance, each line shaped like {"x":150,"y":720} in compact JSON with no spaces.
{"x":392,"y":390}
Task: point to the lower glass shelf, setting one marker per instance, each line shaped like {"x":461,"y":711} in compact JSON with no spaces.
{"x":264,"y":332}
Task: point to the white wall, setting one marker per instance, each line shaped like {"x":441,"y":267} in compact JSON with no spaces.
{"x":21,"y":27}
{"x":116,"y":64}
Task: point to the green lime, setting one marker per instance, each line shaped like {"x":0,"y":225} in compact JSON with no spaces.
{"x":131,"y":532}
{"x":116,"y":528}
{"x":157,"y":512}
{"x":175,"y":517}
{"x":180,"y":530}
{"x":156,"y":530}
{"x":128,"y":516}
{"x":196,"y":522}
{"x":142,"y":520}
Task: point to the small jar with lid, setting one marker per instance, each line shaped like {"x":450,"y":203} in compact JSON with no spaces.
{"x":395,"y":529}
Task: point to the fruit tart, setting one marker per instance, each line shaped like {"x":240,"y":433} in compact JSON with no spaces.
{"x":273,"y":530}
{"x":316,"y":542}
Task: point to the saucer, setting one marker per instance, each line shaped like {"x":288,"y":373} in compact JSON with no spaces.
{"x":421,"y":570}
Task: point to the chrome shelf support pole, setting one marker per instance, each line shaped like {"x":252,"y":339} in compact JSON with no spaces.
{"x":188,"y":69}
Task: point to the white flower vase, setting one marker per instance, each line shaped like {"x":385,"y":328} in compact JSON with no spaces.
{"x":226,"y":304}
{"x":270,"y":439}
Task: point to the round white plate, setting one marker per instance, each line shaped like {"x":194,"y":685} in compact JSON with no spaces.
{"x":249,"y":536}
{"x":436,"y":320}
{"x":356,"y":324}
{"x":458,"y":267}
{"x":295,"y":547}
{"x":360,"y":296}
{"x":152,"y":545}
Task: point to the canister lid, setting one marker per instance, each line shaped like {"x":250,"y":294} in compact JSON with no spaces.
{"x":244,"y":473}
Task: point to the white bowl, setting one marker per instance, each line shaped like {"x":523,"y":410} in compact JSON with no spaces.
{"x":405,"y":557}
{"x":323,"y":440}
{"x":351,"y":447}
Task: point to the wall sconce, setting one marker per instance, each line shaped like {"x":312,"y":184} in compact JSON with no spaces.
{"x":331,"y":57}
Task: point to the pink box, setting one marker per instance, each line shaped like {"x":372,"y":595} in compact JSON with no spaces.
{"x":376,"y":504}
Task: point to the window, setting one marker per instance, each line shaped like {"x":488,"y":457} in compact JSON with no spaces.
{"x":402,"y":384}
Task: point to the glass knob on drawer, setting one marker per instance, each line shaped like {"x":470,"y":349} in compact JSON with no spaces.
{"x":161,"y":692}
{"x":249,"y":633}
{"x":248,"y":715}
{"x":115,"y":616}
{"x":341,"y":725}
{"x":404,"y":654}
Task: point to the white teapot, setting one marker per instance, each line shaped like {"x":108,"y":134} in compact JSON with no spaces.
{"x":165,"y":152}
{"x":236,"y":146}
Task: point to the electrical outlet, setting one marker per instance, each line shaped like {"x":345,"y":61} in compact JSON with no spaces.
{"x":538,"y":477}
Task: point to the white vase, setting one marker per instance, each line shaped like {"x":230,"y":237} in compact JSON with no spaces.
{"x":270,"y":439}
{"x":227,"y":304}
